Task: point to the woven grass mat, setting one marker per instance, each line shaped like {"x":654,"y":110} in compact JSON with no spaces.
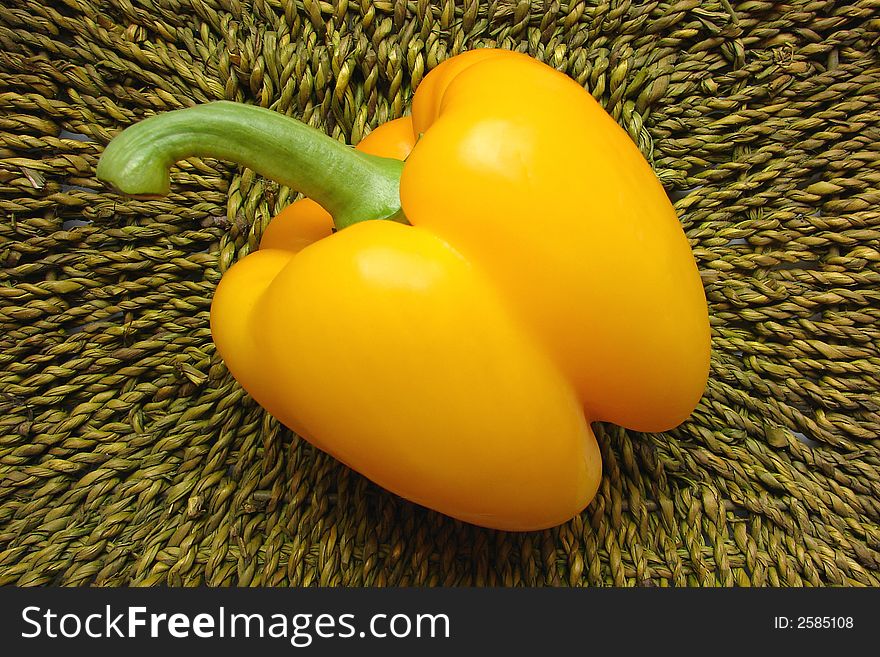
{"x":128,"y":455}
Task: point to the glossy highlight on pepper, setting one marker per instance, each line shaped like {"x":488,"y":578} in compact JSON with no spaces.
{"x":507,"y":269}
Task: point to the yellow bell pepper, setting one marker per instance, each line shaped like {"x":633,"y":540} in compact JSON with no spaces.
{"x":533,"y":278}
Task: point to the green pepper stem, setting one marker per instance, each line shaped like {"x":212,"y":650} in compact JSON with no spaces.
{"x":352,"y":186}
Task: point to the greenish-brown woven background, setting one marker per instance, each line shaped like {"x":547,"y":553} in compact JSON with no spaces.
{"x":129,"y":455}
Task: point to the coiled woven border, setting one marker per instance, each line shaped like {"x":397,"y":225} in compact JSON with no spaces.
{"x":128,"y":455}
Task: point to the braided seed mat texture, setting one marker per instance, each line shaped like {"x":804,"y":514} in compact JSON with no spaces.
{"x":128,"y":455}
